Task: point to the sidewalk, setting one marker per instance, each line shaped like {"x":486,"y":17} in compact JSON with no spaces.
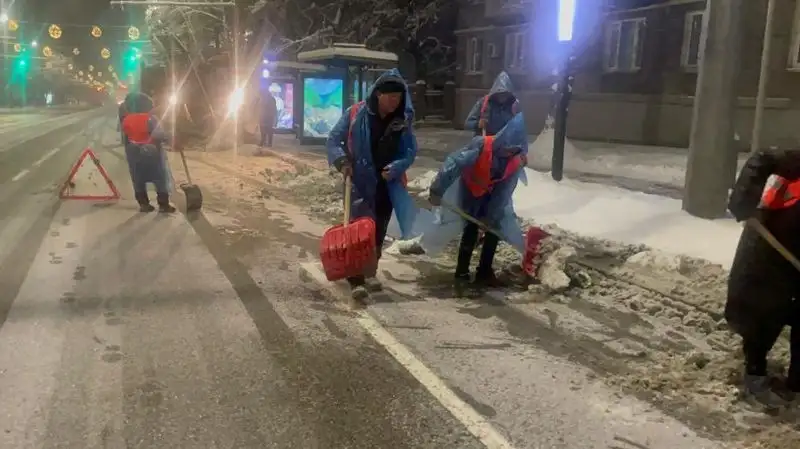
{"x":661,"y":165}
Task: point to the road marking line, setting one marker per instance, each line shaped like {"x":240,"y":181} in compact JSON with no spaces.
{"x":476,"y":424}
{"x":46,"y":157}
{"x":20,"y":175}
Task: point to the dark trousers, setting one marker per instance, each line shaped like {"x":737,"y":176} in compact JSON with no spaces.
{"x":383,"y":214}
{"x":759,"y":337}
{"x":468,"y":241}
{"x":266,"y":135}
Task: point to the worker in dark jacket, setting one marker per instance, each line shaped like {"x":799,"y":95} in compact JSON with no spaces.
{"x":764,"y":287}
{"x":144,"y":139}
{"x":374,"y":144}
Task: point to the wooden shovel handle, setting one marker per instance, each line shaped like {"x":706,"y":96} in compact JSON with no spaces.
{"x":348,"y":186}
{"x":773,"y":242}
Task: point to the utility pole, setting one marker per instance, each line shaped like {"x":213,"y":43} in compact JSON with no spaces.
{"x":711,"y":167}
{"x":758,"y":115}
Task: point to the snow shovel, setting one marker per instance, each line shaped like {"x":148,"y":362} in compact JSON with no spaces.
{"x":527,"y":246}
{"x":348,"y":249}
{"x":773,"y":242}
{"x":194,"y":197}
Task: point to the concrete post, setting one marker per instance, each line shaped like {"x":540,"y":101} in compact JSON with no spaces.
{"x":758,"y":116}
{"x":711,"y":168}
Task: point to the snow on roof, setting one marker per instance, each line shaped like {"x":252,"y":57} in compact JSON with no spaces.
{"x":296,"y":65}
{"x":350,"y":53}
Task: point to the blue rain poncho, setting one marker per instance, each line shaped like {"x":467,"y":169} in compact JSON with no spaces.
{"x":495,"y":208}
{"x":496,"y":114}
{"x":147,"y":163}
{"x":365,"y":174}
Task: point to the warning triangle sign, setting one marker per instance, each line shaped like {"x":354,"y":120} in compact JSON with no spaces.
{"x":88,"y":180}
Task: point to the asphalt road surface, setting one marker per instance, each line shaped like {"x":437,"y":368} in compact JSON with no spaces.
{"x":128,"y":330}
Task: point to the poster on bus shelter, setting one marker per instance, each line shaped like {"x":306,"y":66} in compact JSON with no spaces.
{"x":284,"y":100}
{"x":323,"y":100}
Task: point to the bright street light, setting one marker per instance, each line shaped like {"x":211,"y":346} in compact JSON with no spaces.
{"x":3,"y":18}
{"x":34,"y":44}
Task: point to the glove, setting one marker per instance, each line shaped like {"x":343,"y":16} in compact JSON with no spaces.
{"x":482,"y":124}
{"x":344,"y":166}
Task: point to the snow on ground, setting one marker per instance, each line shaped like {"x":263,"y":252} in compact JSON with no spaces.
{"x":647,"y":281}
{"x":611,"y":213}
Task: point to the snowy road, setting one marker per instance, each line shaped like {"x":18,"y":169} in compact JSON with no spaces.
{"x":128,"y":330}
{"x":531,"y":375}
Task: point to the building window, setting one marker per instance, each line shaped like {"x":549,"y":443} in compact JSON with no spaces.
{"x":514,"y":58}
{"x":475,"y":55}
{"x":692,"y":40}
{"x":794,"y":52}
{"x":624,"y":42}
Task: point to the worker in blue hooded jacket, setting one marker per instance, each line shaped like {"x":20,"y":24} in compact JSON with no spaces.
{"x":488,"y":168}
{"x":492,"y":111}
{"x":374,"y":143}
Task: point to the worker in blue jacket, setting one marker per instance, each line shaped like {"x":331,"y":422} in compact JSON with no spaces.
{"x":493,"y":111}
{"x":488,"y":170}
{"x":374,"y":143}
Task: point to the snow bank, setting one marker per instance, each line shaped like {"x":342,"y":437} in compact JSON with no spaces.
{"x":616,"y":214}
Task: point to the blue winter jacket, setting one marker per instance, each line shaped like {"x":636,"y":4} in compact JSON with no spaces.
{"x":492,"y":207}
{"x":365,"y":175}
{"x":496,"y":114}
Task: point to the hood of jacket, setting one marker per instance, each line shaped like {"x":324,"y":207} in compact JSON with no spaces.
{"x":502,"y":84}
{"x":512,"y":139}
{"x":391,"y":75}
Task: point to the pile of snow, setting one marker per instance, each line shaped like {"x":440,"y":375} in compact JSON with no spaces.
{"x":616,"y":214}
{"x":422,"y":181}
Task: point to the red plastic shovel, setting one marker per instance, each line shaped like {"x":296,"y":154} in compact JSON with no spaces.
{"x":348,"y":249}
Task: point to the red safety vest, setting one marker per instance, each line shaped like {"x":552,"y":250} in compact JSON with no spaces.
{"x":137,"y":128}
{"x":353,"y":112}
{"x":780,"y":194}
{"x":478,"y":177}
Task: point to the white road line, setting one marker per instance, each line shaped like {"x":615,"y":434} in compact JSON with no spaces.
{"x":20,"y":175}
{"x":46,"y":157}
{"x":476,"y":424}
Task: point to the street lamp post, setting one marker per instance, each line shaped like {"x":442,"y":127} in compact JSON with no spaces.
{"x":566,"y":18}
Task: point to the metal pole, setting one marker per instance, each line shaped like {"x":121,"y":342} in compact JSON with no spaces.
{"x":758,"y":116}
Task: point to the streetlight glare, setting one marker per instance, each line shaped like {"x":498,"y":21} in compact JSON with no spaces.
{"x":34,"y":44}
{"x":566,"y":19}
{"x":3,"y":18}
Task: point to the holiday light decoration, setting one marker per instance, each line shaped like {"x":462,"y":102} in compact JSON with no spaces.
{"x":96,"y":31}
{"x":105,"y":53}
{"x":133,"y":33}
{"x":54,"y":31}
{"x":75,"y":51}
{"x":47,"y":52}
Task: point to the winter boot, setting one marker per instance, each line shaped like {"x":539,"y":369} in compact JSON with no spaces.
{"x":163,"y":203}
{"x":488,"y":279}
{"x":759,"y":389}
{"x":144,"y":202}
{"x":359,"y":293}
{"x":373,"y":284}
